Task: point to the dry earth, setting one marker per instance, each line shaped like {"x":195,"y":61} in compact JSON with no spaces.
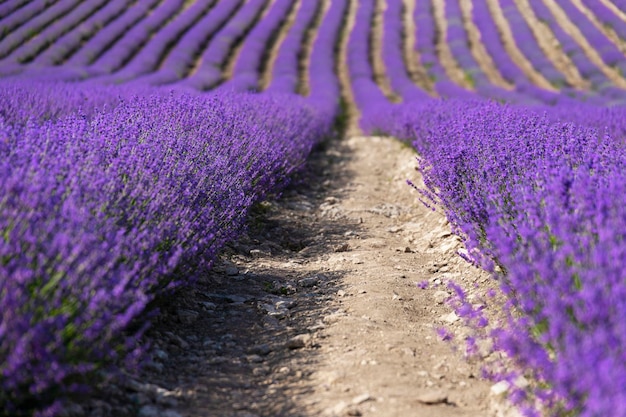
{"x":316,"y":311}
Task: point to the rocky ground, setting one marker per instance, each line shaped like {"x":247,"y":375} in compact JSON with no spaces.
{"x":318,"y":310}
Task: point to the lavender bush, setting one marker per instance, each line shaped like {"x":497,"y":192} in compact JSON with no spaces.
{"x":104,"y":208}
{"x":534,"y":195}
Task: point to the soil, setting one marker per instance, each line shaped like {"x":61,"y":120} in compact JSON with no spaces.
{"x":316,"y":310}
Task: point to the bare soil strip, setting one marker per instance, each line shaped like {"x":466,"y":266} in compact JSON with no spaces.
{"x":416,"y":72}
{"x":377,"y":30}
{"x":267,"y":66}
{"x":508,"y":41}
{"x":452,"y":68}
{"x":571,"y":29}
{"x":487,"y":65}
{"x":551,"y":46}
{"x":607,"y":31}
{"x":352,"y":113}
{"x":231,"y":60}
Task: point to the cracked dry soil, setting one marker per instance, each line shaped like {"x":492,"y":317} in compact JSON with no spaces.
{"x":316,"y":310}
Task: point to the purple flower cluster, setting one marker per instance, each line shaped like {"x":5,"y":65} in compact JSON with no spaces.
{"x":109,"y":201}
{"x":534,"y":194}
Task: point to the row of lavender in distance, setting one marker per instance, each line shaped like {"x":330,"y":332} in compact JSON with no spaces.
{"x":536,"y":192}
{"x":111,"y":197}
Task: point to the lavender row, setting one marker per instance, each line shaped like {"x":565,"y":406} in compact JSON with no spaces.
{"x":29,"y":29}
{"x":150,"y":55}
{"x":425,"y":46}
{"x":65,"y":45}
{"x":12,"y":18}
{"x":7,"y":8}
{"x":607,"y":17}
{"x":210,"y":71}
{"x":605,"y":48}
{"x":458,"y":41}
{"x":392,"y":54}
{"x":323,"y":81}
{"x":367,"y":94}
{"x":511,"y":72}
{"x":285,"y":74}
{"x":112,"y":33}
{"x":527,"y":43}
{"x":101,"y":206}
{"x":246,"y":72}
{"x":132,"y":41}
{"x":607,"y":51}
{"x":540,"y":199}
{"x":181,"y":59}
{"x":570,"y":47}
{"x":28,"y":50}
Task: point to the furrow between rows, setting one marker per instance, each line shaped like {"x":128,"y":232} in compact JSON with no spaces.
{"x":276,"y":42}
{"x":416,"y":71}
{"x":550,"y":46}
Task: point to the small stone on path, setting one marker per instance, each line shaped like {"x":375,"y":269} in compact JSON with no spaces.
{"x":433,"y":397}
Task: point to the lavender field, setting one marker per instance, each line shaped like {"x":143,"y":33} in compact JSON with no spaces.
{"x":136,"y":136}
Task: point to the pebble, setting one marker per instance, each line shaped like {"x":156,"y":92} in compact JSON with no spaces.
{"x":333,"y":318}
{"x":360,"y":399}
{"x":309,"y":281}
{"x":149,"y":411}
{"x":440,"y":296}
{"x":187,"y":316}
{"x":155,"y":367}
{"x":450,"y":318}
{"x":299,"y":341}
{"x":170,"y":413}
{"x":433,"y":397}
{"x":342,"y":248}
{"x":261,"y":350}
{"x":177,"y":340}
{"x":231,"y":271}
{"x":161,"y":354}
{"x":499,"y":388}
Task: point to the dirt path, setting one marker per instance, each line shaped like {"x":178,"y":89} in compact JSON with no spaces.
{"x":316,"y":311}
